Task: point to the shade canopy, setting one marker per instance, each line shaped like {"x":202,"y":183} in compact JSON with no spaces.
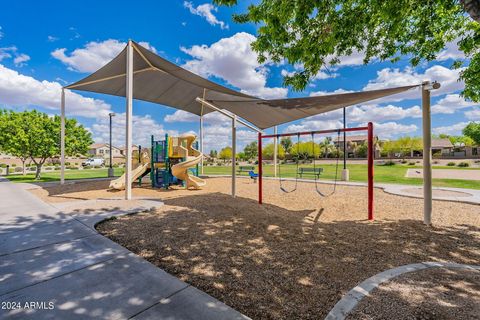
{"x":160,"y":81}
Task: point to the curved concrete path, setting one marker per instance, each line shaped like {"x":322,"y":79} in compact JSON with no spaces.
{"x":47,"y":256}
{"x":353,"y":297}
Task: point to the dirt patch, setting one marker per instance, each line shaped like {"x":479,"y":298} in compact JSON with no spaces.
{"x":435,"y":293}
{"x":296,"y":255}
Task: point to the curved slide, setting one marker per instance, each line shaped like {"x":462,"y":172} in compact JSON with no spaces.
{"x":119,"y":184}
{"x":180,"y":170}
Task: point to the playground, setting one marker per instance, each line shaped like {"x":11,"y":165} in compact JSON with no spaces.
{"x":294,"y":256}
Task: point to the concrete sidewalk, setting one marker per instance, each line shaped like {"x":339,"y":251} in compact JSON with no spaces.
{"x":54,"y":265}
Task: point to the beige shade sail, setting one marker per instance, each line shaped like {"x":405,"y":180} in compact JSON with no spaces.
{"x":160,"y":81}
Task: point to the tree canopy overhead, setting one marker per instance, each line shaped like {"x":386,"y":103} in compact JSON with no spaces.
{"x":315,"y":34}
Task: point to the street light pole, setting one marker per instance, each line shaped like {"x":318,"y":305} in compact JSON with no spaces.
{"x":345,"y":172}
{"x":110,"y":168}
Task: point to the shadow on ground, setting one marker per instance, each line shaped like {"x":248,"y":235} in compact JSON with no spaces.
{"x":272,"y":263}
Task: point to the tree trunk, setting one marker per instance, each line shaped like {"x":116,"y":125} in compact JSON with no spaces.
{"x":37,"y":173}
{"x":24,"y":172}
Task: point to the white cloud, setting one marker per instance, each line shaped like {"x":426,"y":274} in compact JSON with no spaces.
{"x":143,"y":128}
{"x":311,"y":125}
{"x":365,"y":113}
{"x":206,"y":11}
{"x":473,"y":114}
{"x":392,"y":129}
{"x":7,"y":52}
{"x":450,"y":104}
{"x":451,"y":52}
{"x":21,"y":59}
{"x":94,"y":55}
{"x":233,"y":60}
{"x":455,"y":129}
{"x":52,"y":38}
{"x":321,"y":75}
{"x":324,"y":93}
{"x":388,"y":78}
{"x":20,"y":90}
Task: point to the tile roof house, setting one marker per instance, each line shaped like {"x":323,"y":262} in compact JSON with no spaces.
{"x":102,"y":150}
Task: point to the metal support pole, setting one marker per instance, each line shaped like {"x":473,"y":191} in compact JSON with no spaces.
{"x":275,"y":151}
{"x":110,"y":167}
{"x":260,"y":169}
{"x":427,"y":155}
{"x":62,"y":138}
{"x":234,"y":155}
{"x":201,"y":143}
{"x":129,"y":115}
{"x":370,"y":170}
{"x":344,"y":139}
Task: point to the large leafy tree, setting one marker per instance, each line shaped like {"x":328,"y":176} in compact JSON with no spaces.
{"x":35,"y":135}
{"x":251,"y":150}
{"x":225,"y":154}
{"x":316,"y":34}
{"x":268,"y":151}
{"x":472,"y":130}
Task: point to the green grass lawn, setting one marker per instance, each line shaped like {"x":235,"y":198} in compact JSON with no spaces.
{"x":358,"y":173}
{"x":69,"y":175}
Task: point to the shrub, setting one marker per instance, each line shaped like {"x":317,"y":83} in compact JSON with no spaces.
{"x":404,"y":161}
{"x":87,"y":167}
{"x":463,"y":164}
{"x":56,"y":168}
{"x":97,"y":167}
{"x":13,"y":165}
{"x":3,"y":165}
{"x":411,"y":163}
{"x":389,"y":163}
{"x":11,"y":170}
{"x":434,"y":162}
{"x":71,"y":167}
{"x":48,"y":168}
{"x":32,"y":169}
{"x":115,"y":165}
{"x":1,"y":170}
{"x":67,"y":163}
{"x":451,"y":164}
{"x":18,"y":169}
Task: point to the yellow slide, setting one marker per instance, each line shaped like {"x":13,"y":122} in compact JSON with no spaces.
{"x":119,"y":184}
{"x":193,"y":157}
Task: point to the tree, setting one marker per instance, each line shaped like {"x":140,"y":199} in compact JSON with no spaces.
{"x":286,"y":143}
{"x":213,"y":154}
{"x":472,"y":130}
{"x":251,"y":150}
{"x":13,"y":139}
{"x":225,"y":154}
{"x":326,"y":146}
{"x":390,"y":147}
{"x":241,"y":156}
{"x":40,"y":136}
{"x":461,"y":141}
{"x":362,"y":150}
{"x":305,"y":150}
{"x":315,"y":35}
{"x":267,"y":152}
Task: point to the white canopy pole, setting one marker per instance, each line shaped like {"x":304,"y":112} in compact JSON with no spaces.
{"x":234,"y":154}
{"x":62,"y":138}
{"x":427,"y":151}
{"x":275,"y":143}
{"x":129,"y":113}
{"x":201,"y":134}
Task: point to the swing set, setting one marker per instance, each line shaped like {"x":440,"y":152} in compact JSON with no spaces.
{"x":370,"y":156}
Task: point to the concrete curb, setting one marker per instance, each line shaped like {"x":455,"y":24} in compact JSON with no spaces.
{"x":353,"y":297}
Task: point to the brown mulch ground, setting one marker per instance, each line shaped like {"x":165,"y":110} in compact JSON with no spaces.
{"x":435,"y":294}
{"x":293,"y":257}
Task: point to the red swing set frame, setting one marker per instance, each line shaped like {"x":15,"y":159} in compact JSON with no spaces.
{"x":370,"y":157}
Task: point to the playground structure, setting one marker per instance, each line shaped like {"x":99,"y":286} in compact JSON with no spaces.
{"x":162,"y":82}
{"x":173,"y":161}
{"x":370,"y":154}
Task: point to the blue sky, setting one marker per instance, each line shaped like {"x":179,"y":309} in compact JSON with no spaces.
{"x":44,"y":45}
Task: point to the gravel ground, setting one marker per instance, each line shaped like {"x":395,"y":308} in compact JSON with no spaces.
{"x":293,"y":257}
{"x":436,"y":293}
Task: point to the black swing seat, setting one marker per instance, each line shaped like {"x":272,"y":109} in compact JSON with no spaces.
{"x":310,"y":171}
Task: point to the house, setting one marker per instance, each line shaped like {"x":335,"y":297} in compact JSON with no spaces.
{"x":443,"y":148}
{"x":102,"y":150}
{"x":353,"y":142}
{"x":123,"y":150}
